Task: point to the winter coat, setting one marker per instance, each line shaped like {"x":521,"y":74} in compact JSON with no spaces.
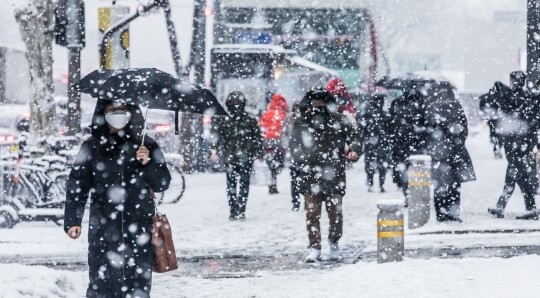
{"x":271,"y":122}
{"x":373,"y":127}
{"x":239,"y":138}
{"x":407,"y":135}
{"x":446,"y":126}
{"x":318,"y":147}
{"x":106,"y":172}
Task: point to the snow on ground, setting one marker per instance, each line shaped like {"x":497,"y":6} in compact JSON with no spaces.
{"x":515,"y":277}
{"x":201,"y":227}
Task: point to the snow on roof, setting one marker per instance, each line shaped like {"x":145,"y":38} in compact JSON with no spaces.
{"x":251,"y":48}
{"x":311,"y":65}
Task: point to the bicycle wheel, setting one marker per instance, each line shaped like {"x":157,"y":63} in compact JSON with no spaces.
{"x":176,"y":188}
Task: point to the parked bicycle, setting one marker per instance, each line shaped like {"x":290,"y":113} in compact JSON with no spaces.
{"x":178,"y":181}
{"x":33,"y":183}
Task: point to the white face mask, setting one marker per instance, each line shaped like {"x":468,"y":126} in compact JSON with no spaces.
{"x":118,"y":119}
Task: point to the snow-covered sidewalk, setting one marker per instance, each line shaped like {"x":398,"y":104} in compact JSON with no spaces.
{"x":515,"y":277}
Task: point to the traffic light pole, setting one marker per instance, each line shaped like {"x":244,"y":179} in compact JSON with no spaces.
{"x":75,"y":42}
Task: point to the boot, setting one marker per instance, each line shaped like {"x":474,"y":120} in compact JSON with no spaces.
{"x":335,"y":252}
{"x":314,"y":255}
{"x":497,"y":211}
{"x":296,"y":206}
{"x":272,"y":189}
{"x":529,"y":214}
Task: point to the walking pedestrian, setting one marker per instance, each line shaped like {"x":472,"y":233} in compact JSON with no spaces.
{"x":374,"y":129}
{"x":518,"y":125}
{"x":446,"y":126}
{"x":318,"y":146}
{"x":238,"y":137}
{"x":490,"y":109}
{"x":407,"y":136}
{"x":271,"y":123}
{"x":343,"y":98}
{"x":294,"y":171}
{"x":119,"y":174}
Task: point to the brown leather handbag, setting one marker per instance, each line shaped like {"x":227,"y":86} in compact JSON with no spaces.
{"x":162,"y":242}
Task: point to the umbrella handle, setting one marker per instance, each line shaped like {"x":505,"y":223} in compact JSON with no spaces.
{"x":144,"y":131}
{"x":144,"y":126}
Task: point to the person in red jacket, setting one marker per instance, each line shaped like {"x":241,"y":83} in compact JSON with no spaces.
{"x":271,"y":123}
{"x":344,"y":99}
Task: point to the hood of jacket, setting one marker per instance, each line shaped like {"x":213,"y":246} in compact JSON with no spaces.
{"x":100,"y":128}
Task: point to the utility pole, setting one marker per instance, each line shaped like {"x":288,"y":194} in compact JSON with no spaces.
{"x":191,"y":128}
{"x":533,"y":41}
{"x":70,"y":32}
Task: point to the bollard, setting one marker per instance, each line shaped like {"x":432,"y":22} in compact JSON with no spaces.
{"x":390,"y":232}
{"x":419,"y":180}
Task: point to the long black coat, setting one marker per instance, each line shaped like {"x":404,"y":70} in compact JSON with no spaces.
{"x":374,"y":129}
{"x":239,"y":137}
{"x":118,"y":186}
{"x":317,"y":149}
{"x":446,"y":126}
{"x":406,"y":133}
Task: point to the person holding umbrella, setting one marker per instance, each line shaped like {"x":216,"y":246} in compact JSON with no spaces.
{"x":118,"y":169}
{"x":239,"y":136}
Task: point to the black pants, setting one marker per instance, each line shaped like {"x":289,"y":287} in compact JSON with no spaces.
{"x":447,"y":198}
{"x":373,"y":166}
{"x":521,"y":170}
{"x":238,"y":175}
{"x":274,"y":158}
{"x":295,"y":186}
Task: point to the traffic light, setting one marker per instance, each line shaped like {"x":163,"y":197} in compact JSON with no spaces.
{"x":69,"y":27}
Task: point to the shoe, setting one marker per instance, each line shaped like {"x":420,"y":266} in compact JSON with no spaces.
{"x":272,"y":189}
{"x":314,"y":255}
{"x":497,"y":211}
{"x":530,"y":214}
{"x":453,"y":218}
{"x":296,"y":207}
{"x":382,"y":189}
{"x":241,"y":216}
{"x":335,"y":252}
{"x":370,"y":188}
{"x":232,"y":218}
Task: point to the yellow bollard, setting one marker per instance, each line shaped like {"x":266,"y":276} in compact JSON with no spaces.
{"x":390,"y":232}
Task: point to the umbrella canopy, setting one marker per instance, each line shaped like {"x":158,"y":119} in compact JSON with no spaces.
{"x":151,"y":88}
{"x":405,"y":83}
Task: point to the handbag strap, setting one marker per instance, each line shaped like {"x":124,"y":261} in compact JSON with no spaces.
{"x":153,"y":198}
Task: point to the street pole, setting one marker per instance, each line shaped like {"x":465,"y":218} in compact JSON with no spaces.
{"x":533,"y":41}
{"x":75,"y":42}
{"x":172,"y":38}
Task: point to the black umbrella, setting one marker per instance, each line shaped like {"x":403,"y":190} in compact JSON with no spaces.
{"x":408,"y":82}
{"x":151,"y":88}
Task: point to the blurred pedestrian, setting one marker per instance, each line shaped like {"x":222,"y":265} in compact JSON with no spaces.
{"x":446,"y":126}
{"x":238,"y":137}
{"x":294,"y":171}
{"x":407,"y":134}
{"x":271,"y":124}
{"x":119,"y":174}
{"x":518,"y":126}
{"x":318,"y":148}
{"x":373,"y":126}
{"x":489,"y":107}
{"x":343,"y":98}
